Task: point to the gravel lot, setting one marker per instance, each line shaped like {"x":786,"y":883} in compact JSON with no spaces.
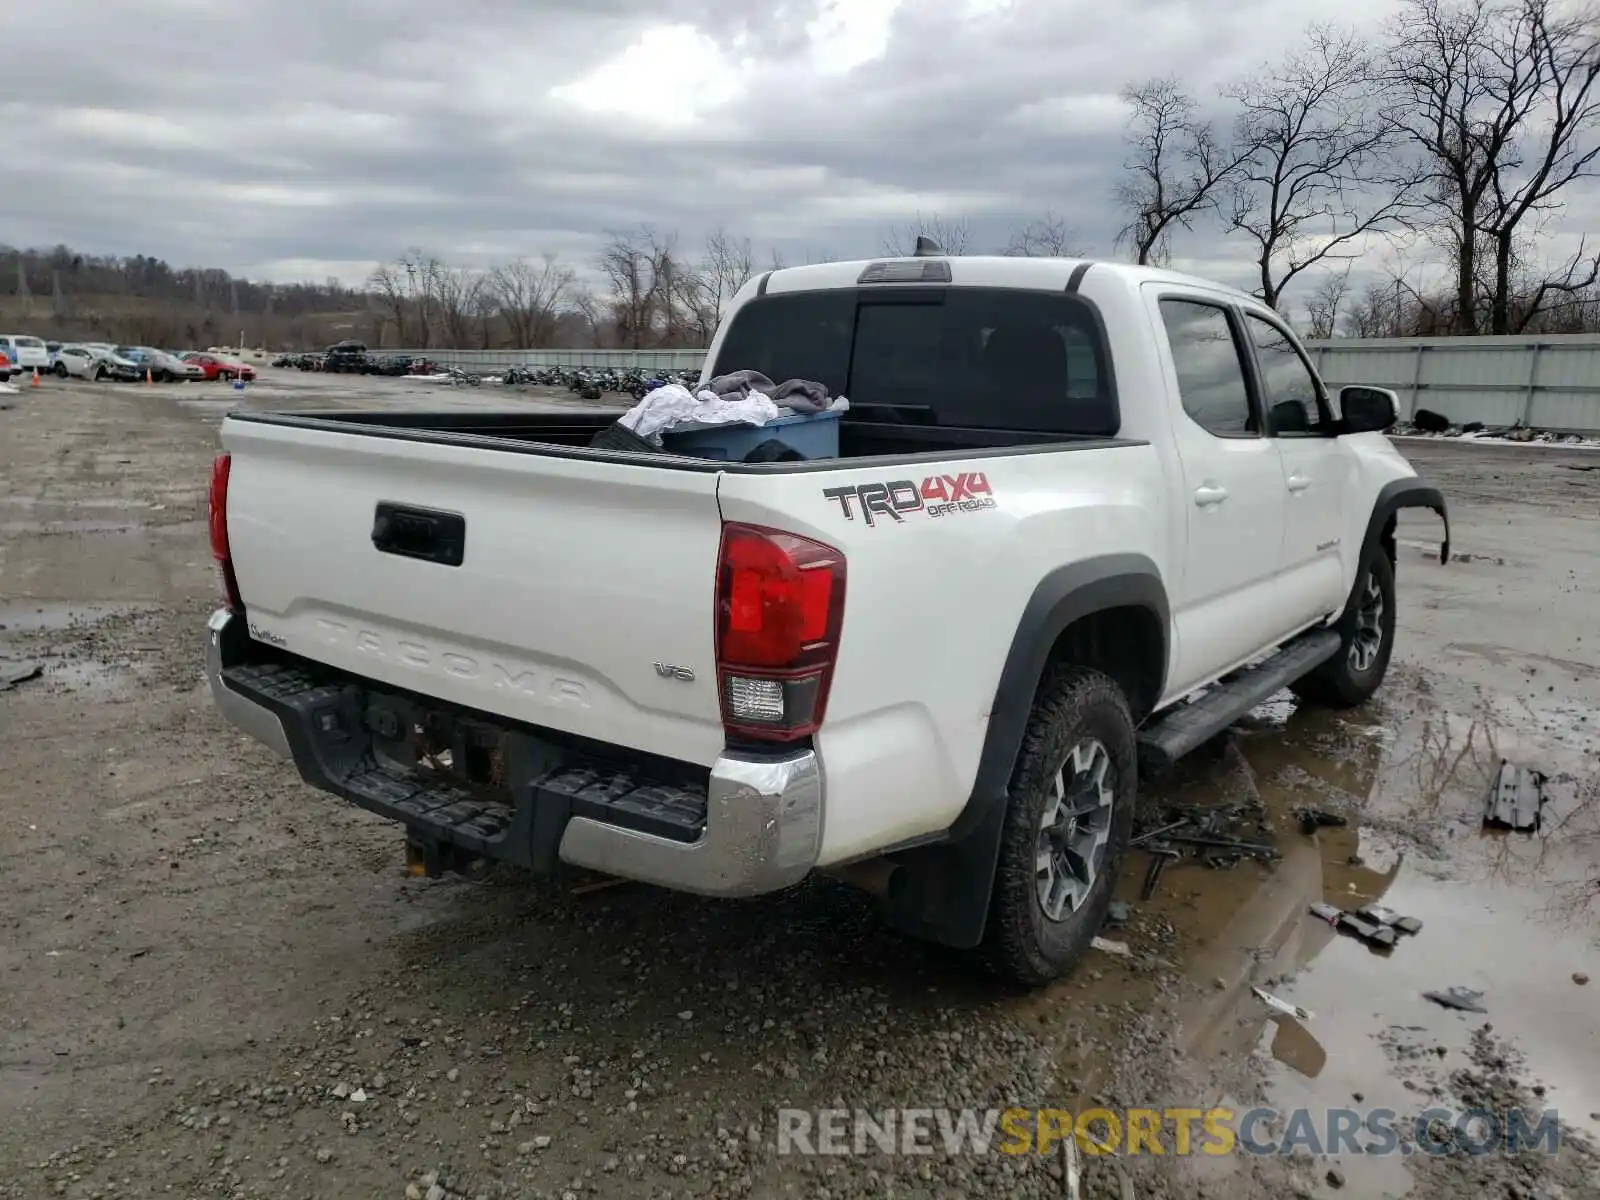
{"x":217,"y":982}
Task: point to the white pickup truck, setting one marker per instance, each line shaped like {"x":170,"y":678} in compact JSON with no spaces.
{"x":1083,"y":516}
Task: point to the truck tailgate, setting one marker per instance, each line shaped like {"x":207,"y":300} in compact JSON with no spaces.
{"x":582,"y":601}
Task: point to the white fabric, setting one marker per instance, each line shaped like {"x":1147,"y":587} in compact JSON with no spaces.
{"x":674,"y":405}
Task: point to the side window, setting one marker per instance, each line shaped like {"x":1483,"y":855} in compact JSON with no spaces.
{"x":1211,"y":381}
{"x":1289,"y":390}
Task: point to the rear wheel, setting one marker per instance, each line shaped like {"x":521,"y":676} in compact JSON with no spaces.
{"x":100,"y":373}
{"x":1066,"y":830}
{"x":61,"y":369}
{"x":1356,"y":672}
{"x":225,"y":377}
{"x":164,"y":377}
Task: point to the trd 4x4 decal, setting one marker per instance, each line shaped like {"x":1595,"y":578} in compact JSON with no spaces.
{"x":937,"y":496}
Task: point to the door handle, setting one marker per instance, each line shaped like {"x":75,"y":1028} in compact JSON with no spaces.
{"x":1299,"y":482}
{"x":1208,"y":494}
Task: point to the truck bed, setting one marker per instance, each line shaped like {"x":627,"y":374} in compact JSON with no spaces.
{"x":861,"y":440}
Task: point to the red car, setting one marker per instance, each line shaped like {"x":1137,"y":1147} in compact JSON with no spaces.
{"x":5,"y":367}
{"x":221,"y":368}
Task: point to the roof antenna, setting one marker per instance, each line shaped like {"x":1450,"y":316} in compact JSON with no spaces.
{"x":926,"y":247}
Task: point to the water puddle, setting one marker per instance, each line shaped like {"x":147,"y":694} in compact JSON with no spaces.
{"x":1511,"y":915}
{"x":111,"y":503}
{"x":23,"y":528}
{"x":43,"y":616}
{"x":98,"y":679}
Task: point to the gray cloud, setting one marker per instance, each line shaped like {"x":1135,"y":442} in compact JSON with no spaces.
{"x":300,"y":139}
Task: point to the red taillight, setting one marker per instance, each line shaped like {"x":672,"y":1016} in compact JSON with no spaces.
{"x":219,"y":531}
{"x":780,"y":607}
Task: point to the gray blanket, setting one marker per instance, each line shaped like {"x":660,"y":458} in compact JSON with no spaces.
{"x":802,"y":395}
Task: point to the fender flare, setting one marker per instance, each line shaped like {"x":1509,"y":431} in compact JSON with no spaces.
{"x":1392,"y":497}
{"x":942,"y":890}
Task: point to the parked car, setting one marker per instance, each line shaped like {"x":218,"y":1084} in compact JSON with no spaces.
{"x":26,"y":353}
{"x":349,"y":356}
{"x":94,"y":362}
{"x":1080,"y":518}
{"x":217,"y":366}
{"x":162,"y":366}
{"x":5,"y":367}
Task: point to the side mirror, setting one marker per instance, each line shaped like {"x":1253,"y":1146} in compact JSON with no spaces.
{"x":1367,"y":409}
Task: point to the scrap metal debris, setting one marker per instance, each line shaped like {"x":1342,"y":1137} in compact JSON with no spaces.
{"x":1069,"y":1168}
{"x":1359,"y":925}
{"x":1110,"y":947}
{"x":1459,"y":998}
{"x":1280,"y":1006}
{"x":1515,"y":799}
{"x":1204,"y":834}
{"x":1313,"y":819}
{"x":13,"y":673}
{"x":1388,"y":916}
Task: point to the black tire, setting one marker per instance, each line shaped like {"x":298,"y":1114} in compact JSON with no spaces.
{"x":61,"y":370}
{"x":164,"y":377}
{"x":100,"y":373}
{"x":1351,"y":677}
{"x":1079,"y":716}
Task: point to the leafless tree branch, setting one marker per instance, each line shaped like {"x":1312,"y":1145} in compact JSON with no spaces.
{"x":1317,"y":172}
{"x":1176,"y":167}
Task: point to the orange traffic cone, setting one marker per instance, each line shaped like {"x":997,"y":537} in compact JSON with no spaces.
{"x":36,"y":377}
{"x":148,"y":382}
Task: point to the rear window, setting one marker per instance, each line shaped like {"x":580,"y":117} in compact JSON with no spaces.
{"x":986,"y":357}
{"x":32,"y":343}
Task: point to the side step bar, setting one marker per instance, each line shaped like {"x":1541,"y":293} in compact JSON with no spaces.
{"x":1174,"y":734}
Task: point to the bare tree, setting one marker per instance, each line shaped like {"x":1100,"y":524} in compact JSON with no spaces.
{"x":645,"y":282}
{"x":1315,"y":175}
{"x":629,"y":265}
{"x":1176,"y":167}
{"x":528,"y":296}
{"x":418,"y":274}
{"x":1499,"y":97}
{"x":1325,"y":302}
{"x":1047,"y":237}
{"x":728,"y":266}
{"x":587,"y":307}
{"x":952,"y":235}
{"x":1556,"y":148}
{"x":456,"y":292}
{"x":388,"y":286}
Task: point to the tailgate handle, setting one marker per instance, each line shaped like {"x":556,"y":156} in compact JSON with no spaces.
{"x":425,"y":533}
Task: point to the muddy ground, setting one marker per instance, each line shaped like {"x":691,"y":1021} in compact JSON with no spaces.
{"x":216,"y":982}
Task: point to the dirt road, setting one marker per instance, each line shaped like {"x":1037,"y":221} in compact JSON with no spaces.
{"x":216,"y":982}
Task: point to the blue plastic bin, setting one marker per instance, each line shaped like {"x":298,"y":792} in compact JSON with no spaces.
{"x":809,"y":435}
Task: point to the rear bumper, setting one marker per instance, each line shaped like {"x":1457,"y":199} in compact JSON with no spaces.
{"x":756,"y":826}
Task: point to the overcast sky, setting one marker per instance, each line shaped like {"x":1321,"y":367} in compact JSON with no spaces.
{"x":293,"y":140}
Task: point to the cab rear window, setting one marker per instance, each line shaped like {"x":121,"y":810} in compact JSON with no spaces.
{"x":991,"y":358}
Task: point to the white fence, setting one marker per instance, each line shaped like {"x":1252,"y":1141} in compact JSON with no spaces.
{"x":622,"y":360}
{"x":1550,"y":382}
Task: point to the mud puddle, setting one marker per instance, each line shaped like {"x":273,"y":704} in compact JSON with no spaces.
{"x":1510,"y":915}
{"x":47,"y":616}
{"x":108,"y":503}
{"x":32,"y":631}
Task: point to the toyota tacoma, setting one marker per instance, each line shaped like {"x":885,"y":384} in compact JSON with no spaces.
{"x":1082,"y":517}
